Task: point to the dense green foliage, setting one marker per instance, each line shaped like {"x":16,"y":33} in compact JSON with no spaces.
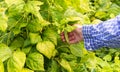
{"x":30,"y":36}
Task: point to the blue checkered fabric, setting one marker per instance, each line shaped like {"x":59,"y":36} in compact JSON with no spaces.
{"x":104,"y":34}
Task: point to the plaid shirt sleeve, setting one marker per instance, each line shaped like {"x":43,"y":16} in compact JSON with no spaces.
{"x":105,"y":34}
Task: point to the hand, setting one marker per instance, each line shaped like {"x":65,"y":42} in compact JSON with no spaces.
{"x":75,"y":36}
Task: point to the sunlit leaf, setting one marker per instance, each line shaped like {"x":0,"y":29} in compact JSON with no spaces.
{"x":17,"y":43}
{"x":1,"y":66}
{"x":35,"y":61}
{"x":16,"y":62}
{"x":3,"y":25}
{"x":65,"y":65}
{"x":35,"y":38}
{"x":5,"y":52}
{"x":46,"y":48}
{"x":76,"y":50}
{"x":26,"y":70}
{"x":50,"y":34}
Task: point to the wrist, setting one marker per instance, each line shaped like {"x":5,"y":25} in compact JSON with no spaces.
{"x":80,"y":33}
{"x":78,"y":30}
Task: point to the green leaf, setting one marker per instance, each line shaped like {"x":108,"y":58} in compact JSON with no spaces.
{"x":1,"y":66}
{"x":107,"y":57}
{"x":26,"y":43}
{"x":101,"y":14}
{"x":5,"y":52}
{"x":68,"y":56}
{"x":34,"y":7}
{"x":26,"y":50}
{"x":3,"y":25}
{"x":54,"y":67}
{"x":102,"y":63}
{"x":17,"y":43}
{"x":11,"y":22}
{"x":16,"y":62}
{"x":46,"y":48}
{"x":85,"y":6}
{"x":34,"y":26}
{"x":15,"y":2}
{"x":18,"y":27}
{"x":50,"y":34}
{"x":71,"y":12}
{"x":96,"y":21}
{"x":69,"y":28}
{"x":15,"y":8}
{"x":35,"y":38}
{"x":65,"y":65}
{"x":35,"y":61}
{"x":114,"y":9}
{"x":26,"y":70}
{"x":76,"y":50}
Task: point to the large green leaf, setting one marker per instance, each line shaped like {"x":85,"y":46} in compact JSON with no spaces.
{"x":35,"y":38}
{"x":76,"y":50}
{"x":46,"y":48}
{"x":1,"y":66}
{"x":34,"y":26}
{"x":5,"y":52}
{"x":35,"y":61}
{"x":16,"y":62}
{"x":54,"y":67}
{"x":17,"y":43}
{"x":50,"y":34}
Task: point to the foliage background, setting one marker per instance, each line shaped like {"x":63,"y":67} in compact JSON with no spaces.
{"x":30,"y":41}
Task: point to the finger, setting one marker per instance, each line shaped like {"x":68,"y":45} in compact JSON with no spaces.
{"x":70,"y":34}
{"x":72,"y":38}
{"x":63,"y":38}
{"x":62,"y":34}
{"x":72,"y":41}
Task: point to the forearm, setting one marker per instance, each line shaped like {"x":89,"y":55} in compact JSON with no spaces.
{"x":105,"y":34}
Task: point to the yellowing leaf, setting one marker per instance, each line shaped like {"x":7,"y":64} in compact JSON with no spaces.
{"x":16,"y":62}
{"x":96,"y":21}
{"x":3,"y":25}
{"x":15,"y":2}
{"x":107,"y":57}
{"x":101,"y":14}
{"x":34,"y":7}
{"x":5,"y":52}
{"x":51,"y":35}
{"x":46,"y":48}
{"x":65,"y":65}
{"x":84,"y":6}
{"x":1,"y":66}
{"x":35,"y":38}
{"x":35,"y":61}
